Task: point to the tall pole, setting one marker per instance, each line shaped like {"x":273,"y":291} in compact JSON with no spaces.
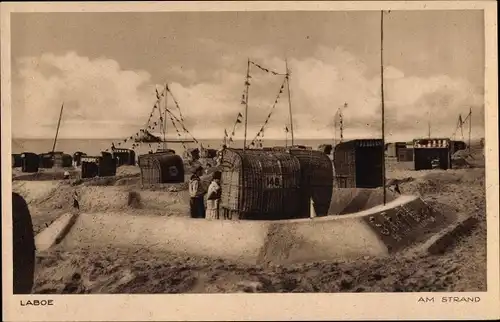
{"x":429,"y":126}
{"x":335,"y":129}
{"x":247,"y":83}
{"x":461,"y":127}
{"x":289,"y":99}
{"x":382,"y":97}
{"x":470,"y":124}
{"x":165,"y":119}
{"x":57,"y":131}
{"x":341,"y":114}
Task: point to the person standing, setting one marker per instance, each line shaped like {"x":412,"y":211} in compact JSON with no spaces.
{"x":213,"y":199}
{"x":196,"y":193}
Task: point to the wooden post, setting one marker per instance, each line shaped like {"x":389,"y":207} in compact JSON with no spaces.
{"x":470,"y":124}
{"x":289,"y":99}
{"x":57,"y":131}
{"x":341,"y":118}
{"x":247,"y":83}
{"x":165,"y":120}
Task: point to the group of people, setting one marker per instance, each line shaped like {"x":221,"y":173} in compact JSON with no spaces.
{"x":197,"y":193}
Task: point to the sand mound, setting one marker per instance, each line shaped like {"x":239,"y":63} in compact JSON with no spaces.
{"x":351,"y":200}
{"x":104,"y":198}
{"x":45,"y":174}
{"x":439,"y":181}
{"x":35,"y":191}
{"x":126,"y":170}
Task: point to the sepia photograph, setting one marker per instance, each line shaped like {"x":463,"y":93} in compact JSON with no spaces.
{"x":249,"y":151}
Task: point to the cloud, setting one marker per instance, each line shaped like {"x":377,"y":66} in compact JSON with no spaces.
{"x":100,"y":99}
{"x":105,"y":101}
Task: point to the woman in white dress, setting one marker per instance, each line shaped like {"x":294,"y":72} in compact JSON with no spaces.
{"x":213,"y":199}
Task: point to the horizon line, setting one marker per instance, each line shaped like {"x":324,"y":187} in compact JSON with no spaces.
{"x":238,"y":139}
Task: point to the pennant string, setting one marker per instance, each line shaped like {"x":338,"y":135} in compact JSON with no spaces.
{"x":267,"y":70}
{"x":270,"y":113}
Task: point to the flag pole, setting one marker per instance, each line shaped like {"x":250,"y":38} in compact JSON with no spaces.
{"x":57,"y":130}
{"x":165,"y":120}
{"x":289,"y":99}
{"x":382,"y":98}
{"x":470,"y":124}
{"x":247,"y":83}
{"x":341,"y":115}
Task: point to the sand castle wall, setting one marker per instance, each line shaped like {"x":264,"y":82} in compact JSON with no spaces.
{"x":374,"y":232}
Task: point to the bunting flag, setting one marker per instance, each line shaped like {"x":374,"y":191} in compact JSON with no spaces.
{"x":182,"y":125}
{"x":176,"y":103}
{"x":267,"y":70}
{"x":261,"y":131}
{"x":286,"y":129}
{"x":236,"y":122}
{"x":177,"y":130}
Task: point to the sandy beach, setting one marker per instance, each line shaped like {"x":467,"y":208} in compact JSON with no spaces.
{"x":111,"y":270}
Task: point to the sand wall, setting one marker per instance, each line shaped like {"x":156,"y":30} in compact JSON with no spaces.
{"x":35,"y":191}
{"x":350,"y":200}
{"x":291,"y":241}
{"x":59,"y":195}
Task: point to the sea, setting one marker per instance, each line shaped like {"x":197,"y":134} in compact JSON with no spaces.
{"x":94,"y":147}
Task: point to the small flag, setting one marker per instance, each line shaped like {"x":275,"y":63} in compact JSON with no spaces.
{"x":286,"y":129}
{"x":225,"y":133}
{"x":460,"y":121}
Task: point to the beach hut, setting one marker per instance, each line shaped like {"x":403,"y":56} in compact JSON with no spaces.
{"x":392,"y":149}
{"x":260,"y":184}
{"x":159,"y":168}
{"x":17,"y":161}
{"x":46,"y":160}
{"x":107,"y":165}
{"x":90,"y":166}
{"x":325,"y":148}
{"x":358,"y":163}
{"x":192,"y":154}
{"x":124,"y":156}
{"x":165,"y":151}
{"x":427,"y":150}
{"x":316,"y":181}
{"x":30,"y":162}
{"x":405,"y":154}
{"x":77,"y":158}
{"x":63,"y":160}
{"x":100,"y":166}
{"x":457,"y":146}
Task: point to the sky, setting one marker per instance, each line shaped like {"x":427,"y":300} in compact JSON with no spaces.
{"x":105,"y":67}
